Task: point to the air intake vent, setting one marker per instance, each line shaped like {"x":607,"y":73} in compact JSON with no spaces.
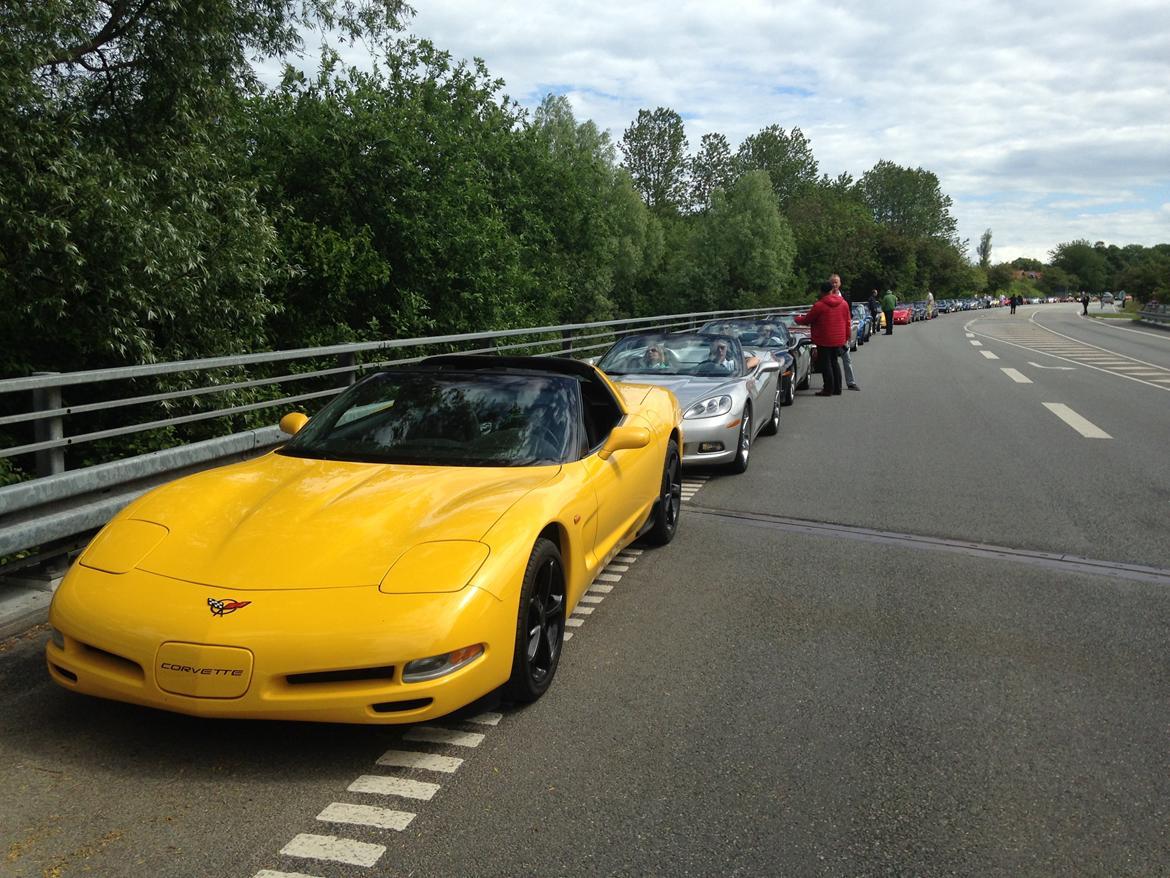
{"x":349,"y":676}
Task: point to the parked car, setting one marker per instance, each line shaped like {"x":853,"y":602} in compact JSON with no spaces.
{"x":772,"y":337}
{"x":405,"y":553}
{"x":903,"y":314}
{"x":727,"y":397}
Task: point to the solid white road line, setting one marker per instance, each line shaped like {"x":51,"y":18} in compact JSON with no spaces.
{"x":336,"y":850}
{"x":366,"y":815}
{"x":1086,"y":428}
{"x":272,"y":873}
{"x":1016,"y":376}
{"x":434,"y":735}
{"x":989,"y":355}
{"x":1057,"y":368}
{"x":425,"y":761}
{"x":380,"y":785}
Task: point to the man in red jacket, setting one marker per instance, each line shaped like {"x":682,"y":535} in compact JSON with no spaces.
{"x":830,"y":322}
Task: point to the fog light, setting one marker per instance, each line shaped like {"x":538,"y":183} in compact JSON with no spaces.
{"x":437,"y":666}
{"x":709,"y":447}
{"x":57,"y":637}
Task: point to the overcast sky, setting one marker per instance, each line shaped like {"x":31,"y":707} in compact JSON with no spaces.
{"x":1044,"y":121}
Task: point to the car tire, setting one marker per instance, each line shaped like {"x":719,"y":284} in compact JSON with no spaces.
{"x":540,"y":625}
{"x":773,"y":426}
{"x":669,"y":505}
{"x":803,"y":383}
{"x":744,"y":450}
{"x":787,"y":395}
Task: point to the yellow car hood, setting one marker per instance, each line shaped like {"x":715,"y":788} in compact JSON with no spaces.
{"x":288,"y":522}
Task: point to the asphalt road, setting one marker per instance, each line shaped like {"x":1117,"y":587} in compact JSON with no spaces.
{"x":925,"y":634}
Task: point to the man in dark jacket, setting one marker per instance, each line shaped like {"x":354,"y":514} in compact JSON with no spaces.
{"x":831,"y":323}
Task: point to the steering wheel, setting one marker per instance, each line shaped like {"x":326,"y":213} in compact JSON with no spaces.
{"x":709,"y":368}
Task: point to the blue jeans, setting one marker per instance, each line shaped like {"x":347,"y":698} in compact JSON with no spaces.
{"x":847,"y":362}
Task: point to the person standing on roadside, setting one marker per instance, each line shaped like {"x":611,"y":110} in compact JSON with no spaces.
{"x":875,"y":307}
{"x":1084,"y":303}
{"x":830,"y":322}
{"x":1013,"y":303}
{"x":889,"y":302}
{"x":846,"y":356}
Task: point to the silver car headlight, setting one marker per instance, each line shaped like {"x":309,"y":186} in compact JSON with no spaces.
{"x":709,"y":408}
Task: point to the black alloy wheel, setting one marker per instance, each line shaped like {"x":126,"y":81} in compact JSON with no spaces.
{"x":669,"y":504}
{"x":773,"y":426}
{"x":740,"y":464}
{"x":540,"y":624}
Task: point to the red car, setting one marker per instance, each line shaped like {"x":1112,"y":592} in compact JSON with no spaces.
{"x":903,"y":314}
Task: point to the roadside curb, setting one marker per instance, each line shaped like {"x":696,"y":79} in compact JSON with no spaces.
{"x":24,"y":605}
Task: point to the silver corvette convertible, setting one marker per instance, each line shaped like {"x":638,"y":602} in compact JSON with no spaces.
{"x":727,"y":398}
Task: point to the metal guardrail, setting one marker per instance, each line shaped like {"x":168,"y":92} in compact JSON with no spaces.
{"x":1155,"y":315}
{"x":52,"y":514}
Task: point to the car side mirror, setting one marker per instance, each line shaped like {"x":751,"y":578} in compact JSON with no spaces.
{"x":293,"y":422}
{"x":624,"y":437}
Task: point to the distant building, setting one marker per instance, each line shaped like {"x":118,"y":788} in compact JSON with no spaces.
{"x":1020,"y":274}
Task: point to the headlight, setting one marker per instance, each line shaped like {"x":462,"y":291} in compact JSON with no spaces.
{"x":122,"y":545}
{"x":436,"y":666}
{"x":709,"y":408}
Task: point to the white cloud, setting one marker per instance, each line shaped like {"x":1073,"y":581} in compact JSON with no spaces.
{"x":1044,"y":123}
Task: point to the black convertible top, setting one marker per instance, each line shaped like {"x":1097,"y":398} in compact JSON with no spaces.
{"x":489,"y":362}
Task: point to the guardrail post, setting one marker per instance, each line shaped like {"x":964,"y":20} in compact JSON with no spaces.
{"x":567,"y":342}
{"x":348,"y":360}
{"x":51,"y":460}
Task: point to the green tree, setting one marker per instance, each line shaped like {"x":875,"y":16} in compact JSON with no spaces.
{"x":908,"y":201}
{"x":1083,"y":262}
{"x":713,"y":167}
{"x":834,"y":232}
{"x":984,"y":250}
{"x":742,"y":247}
{"x":655,"y":150}
{"x":999,"y":277}
{"x":786,"y":156}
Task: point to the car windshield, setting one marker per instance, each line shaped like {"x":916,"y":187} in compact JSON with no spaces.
{"x":750,"y":332}
{"x":447,"y":419}
{"x":681,"y":354}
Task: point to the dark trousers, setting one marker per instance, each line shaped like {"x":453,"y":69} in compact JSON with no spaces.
{"x":1013,"y":306}
{"x":829,"y":359}
{"x":889,"y":322}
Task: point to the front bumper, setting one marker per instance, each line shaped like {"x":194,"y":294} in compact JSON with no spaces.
{"x":700,"y":433}
{"x":324,"y":655}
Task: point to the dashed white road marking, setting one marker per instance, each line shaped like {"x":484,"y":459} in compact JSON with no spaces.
{"x":1016,"y":376}
{"x":568,"y":635}
{"x":970,"y":335}
{"x":336,"y":850}
{"x":989,"y":355}
{"x":574,"y":623}
{"x":976,"y":343}
{"x":381,"y":785}
{"x":434,"y":735}
{"x":1083,"y":426}
{"x":618,"y":568}
{"x":487,"y":719}
{"x":609,"y":577}
{"x":634,"y":552}
{"x":604,"y":589}
{"x":591,"y":598}
{"x":584,"y":611}
{"x":366,"y":815}
{"x":272,"y":873}
{"x":425,"y":761}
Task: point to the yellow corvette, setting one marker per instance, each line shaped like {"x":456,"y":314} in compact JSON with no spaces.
{"x":415,"y":546}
